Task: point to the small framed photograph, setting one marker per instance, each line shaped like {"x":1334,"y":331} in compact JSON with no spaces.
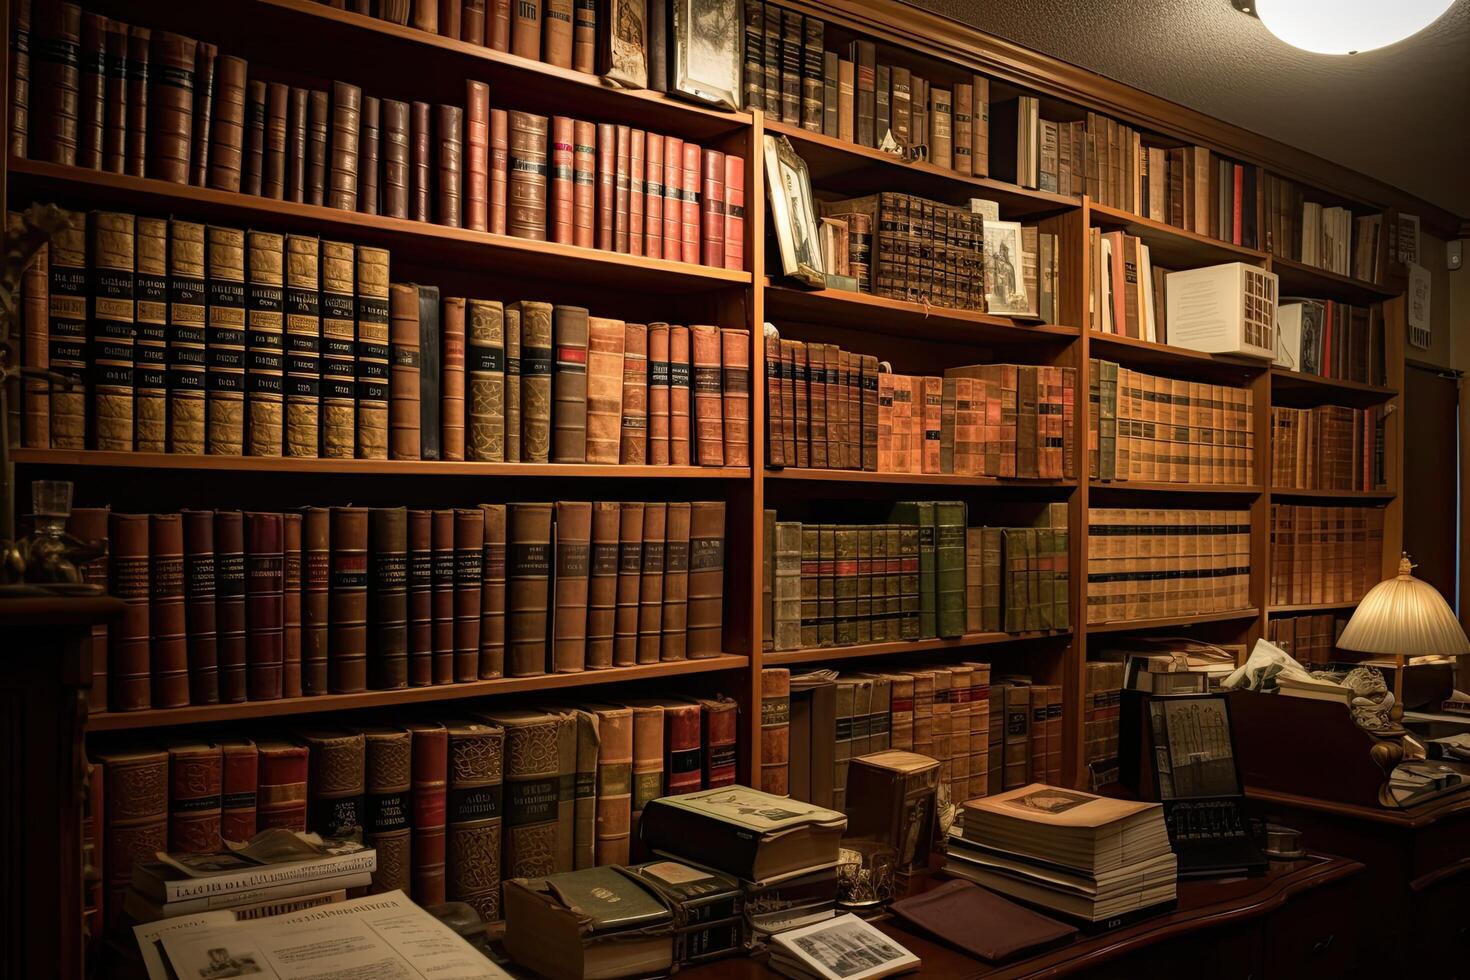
{"x":793,"y":213}
{"x":707,"y":38}
{"x":1005,"y":283}
{"x":623,"y":43}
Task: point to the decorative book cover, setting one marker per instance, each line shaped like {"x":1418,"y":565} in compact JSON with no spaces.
{"x":150,"y":350}
{"x":605,"y":381}
{"x":513,"y":383}
{"x":573,"y":547}
{"x":388,"y":765}
{"x":492,"y":594}
{"x":195,"y":787}
{"x":238,"y":785}
{"x":536,"y":340}
{"x":388,"y":610}
{"x":706,"y":579}
{"x":335,"y":782}
{"x":528,"y":561}
{"x":451,"y":379}
{"x":339,"y":350}
{"x":281,"y":796}
{"x":651,"y":585}
{"x":477,"y":770}
{"x":532,"y":791}
{"x":683,"y":748}
{"x":526,"y":192}
{"x":169,"y":658}
{"x":303,"y":346}
{"x":264,"y":343}
{"x":719,"y":727}
{"x":570,"y":332}
{"x":428,"y":795}
{"x":136,"y":785}
{"x":372,"y":353}
{"x":348,"y":600}
{"x":630,"y":572}
{"x":775,"y":730}
{"x":111,"y":330}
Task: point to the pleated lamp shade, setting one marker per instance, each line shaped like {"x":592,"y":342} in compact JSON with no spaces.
{"x":1403,"y":615}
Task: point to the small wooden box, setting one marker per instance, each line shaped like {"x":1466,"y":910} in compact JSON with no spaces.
{"x":892,"y":798}
{"x":1223,"y":309}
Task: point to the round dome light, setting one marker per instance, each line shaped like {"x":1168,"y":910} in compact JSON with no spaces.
{"x":1347,"y":26}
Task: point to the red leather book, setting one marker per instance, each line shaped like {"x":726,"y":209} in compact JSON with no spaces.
{"x":689,"y":229}
{"x":291,"y":605}
{"x":20,"y":80}
{"x":473,"y":815}
{"x":653,"y":196}
{"x":449,"y":18}
{"x":281,"y":784}
{"x":712,"y":230}
{"x":607,"y":184}
{"x":318,"y":111}
{"x":583,"y":182}
{"x":420,"y":161}
{"x":680,"y":397}
{"x":264,"y":621}
{"x":206,"y":57}
{"x":449,"y":139}
{"x":420,"y":598}
{"x":442,"y":549}
{"x":602,"y":584}
{"x":139,"y":44}
{"x":346,"y":130}
{"x":718,"y":733}
{"x":673,"y":234}
{"x":227,"y":128}
{"x":427,"y":798}
{"x":252,"y":173}
{"x":735,"y":390}
{"x":387,"y":783}
{"x":621,"y":189}
{"x":169,"y":658}
{"x":172,"y":126}
{"x":229,"y":584}
{"x":658,"y":394}
{"x":316,"y":587}
{"x":347,"y":632}
{"x":497,"y":25}
{"x":734,"y":212}
{"x":135,"y":795}
{"x":637,"y":143}
{"x":368,"y":147}
{"x":90,"y":524}
{"x":630,"y":573}
{"x":676,"y":582}
{"x":469,"y":550}
{"x":708,"y":396}
{"x":651,"y":584}
{"x":492,"y":594}
{"x":584,"y":36}
{"x":683,"y":741}
{"x":472,"y":22}
{"x":388,"y":608}
{"x":195,"y":791}
{"x":92,"y":79}
{"x":128,"y":664}
{"x":499,"y":169}
{"x":115,"y":136}
{"x":451,"y":379}
{"x":477,"y":156}
{"x":563,"y":180}
{"x":335,"y":782}
{"x":240,"y":773}
{"x":633,"y":428}
{"x":525,"y":29}
{"x":706,"y":579}
{"x":395,"y":158}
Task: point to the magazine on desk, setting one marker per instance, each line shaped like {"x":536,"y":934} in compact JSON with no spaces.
{"x":378,"y":936}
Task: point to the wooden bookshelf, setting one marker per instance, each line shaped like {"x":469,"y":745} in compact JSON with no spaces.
{"x":1342,"y":496}
{"x":1171,"y":247}
{"x":1310,"y":607}
{"x":1146,"y":355}
{"x":1139,"y":625}
{"x":787,"y":658}
{"x":1300,"y":390}
{"x":1300,"y":279}
{"x":1146,"y":487}
{"x":913,"y":479}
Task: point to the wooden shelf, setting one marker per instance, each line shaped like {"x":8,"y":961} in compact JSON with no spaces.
{"x":879,"y":314}
{"x":1150,"y":624}
{"x":421,"y":242}
{"x":1347,"y":496}
{"x":1132,"y":352}
{"x":1310,"y":607}
{"x":1304,"y":390}
{"x":824,"y":654}
{"x":368,"y":467}
{"x":807,"y":474}
{"x":1300,"y":279}
{"x":852,"y":170}
{"x":212,"y":713}
{"x":1170,"y":247}
{"x":1144,"y":486}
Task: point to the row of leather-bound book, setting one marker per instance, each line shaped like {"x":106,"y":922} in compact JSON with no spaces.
{"x":1329,"y":447}
{"x":453,"y":802}
{"x":1165,"y":562}
{"x":229,"y":606}
{"x":120,"y":98}
{"x":1324,"y":554}
{"x":191,"y":338}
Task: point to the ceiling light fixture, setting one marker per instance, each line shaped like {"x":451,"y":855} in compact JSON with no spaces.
{"x":1343,"y":26}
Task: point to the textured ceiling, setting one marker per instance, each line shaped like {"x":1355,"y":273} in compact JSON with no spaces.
{"x":1401,"y":114}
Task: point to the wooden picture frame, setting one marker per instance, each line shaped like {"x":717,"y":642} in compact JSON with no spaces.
{"x":707,"y":36}
{"x":623,"y":43}
{"x":793,"y":213}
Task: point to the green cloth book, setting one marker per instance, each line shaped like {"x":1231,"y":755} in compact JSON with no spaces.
{"x":949,"y":552}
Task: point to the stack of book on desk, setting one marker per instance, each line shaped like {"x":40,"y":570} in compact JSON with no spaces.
{"x":1097,"y":860}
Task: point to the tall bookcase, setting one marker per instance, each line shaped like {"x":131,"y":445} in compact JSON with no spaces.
{"x":410,"y":64}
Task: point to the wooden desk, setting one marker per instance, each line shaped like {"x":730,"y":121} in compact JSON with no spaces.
{"x":1294,"y":921}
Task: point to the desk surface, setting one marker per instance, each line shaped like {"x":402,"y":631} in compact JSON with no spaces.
{"x":1202,"y":904}
{"x":1410,"y":817}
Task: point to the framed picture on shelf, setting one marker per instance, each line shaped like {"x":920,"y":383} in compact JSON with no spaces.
{"x":707,"y":36}
{"x":793,"y":213}
{"x":624,"y":56}
{"x":1005,"y":283}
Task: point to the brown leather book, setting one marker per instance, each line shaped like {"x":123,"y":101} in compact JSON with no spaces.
{"x":708,"y":395}
{"x":526,"y":193}
{"x":536,"y":338}
{"x":533,"y":791}
{"x":712,"y":227}
{"x":622,"y":189}
{"x":718,"y":732}
{"x":602,"y":584}
{"x":139,"y":42}
{"x":239,"y":782}
{"x":420,"y":598}
{"x":681,"y":397}
{"x":66,"y":304}
{"x":298,"y":111}
{"x":291,"y":605}
{"x":264,"y":343}
{"x":486,"y":367}
{"x":528,"y":569}
{"x":387,"y":665}
{"x":735,"y":389}
{"x":20,"y":81}
{"x":497,"y":25}
{"x":706,"y":578}
{"x":252,"y":174}
{"x":345,"y":134}
{"x":347,"y":633}
{"x":676,"y":582}
{"x":395,"y":158}
{"x":653,"y":196}
{"x":573,"y":555}
{"x":273,"y":163}
{"x":199,"y":606}
{"x":441,"y":542}
{"x":206,"y":56}
{"x":339,"y":351}
{"x":91,"y":524}
{"x":318,"y":125}
{"x":195,"y":778}
{"x":150,"y":347}
{"x":690,"y":212}
{"x":111,"y":330}
{"x":229,"y":610}
{"x":569,"y":387}
{"x":168,"y":661}
{"x":499,"y":170}
{"x":135,"y":793}
{"x":584,"y":184}
{"x":648,"y":763}
{"x":775,"y":422}
{"x":264,"y":613}
{"x":172,"y":126}
{"x":451,"y":379}
{"x":420,"y":157}
{"x":556,"y":41}
{"x":316,"y":578}
{"x":368,"y":150}
{"x":563,"y":180}
{"x":630,"y":574}
{"x":683,"y":747}
{"x":607,"y":185}
{"x":477,"y":758}
{"x":449,"y":137}
{"x":336,"y":779}
{"x":224,"y":420}
{"x":472,"y":22}
{"x":281,"y":786}
{"x":673,"y":231}
{"x":633,"y":427}
{"x":651,"y":584}
{"x":604,"y":391}
{"x":227,"y":128}
{"x":115,"y":135}
{"x":513,"y":383}
{"x":387,"y":782}
{"x":636,"y":199}
{"x":477,"y":156}
{"x":734,"y":212}
{"x":36,"y":349}
{"x":584,"y":36}
{"x":449,"y":18}
{"x":658,"y":395}
{"x":614,"y":783}
{"x":425,"y":17}
{"x":492,"y":594}
{"x":525,"y":29}
{"x":775,"y":730}
{"x":469,"y":549}
{"x":403,"y":339}
{"x":579,"y":727}
{"x":427,"y":798}
{"x":372,"y":353}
